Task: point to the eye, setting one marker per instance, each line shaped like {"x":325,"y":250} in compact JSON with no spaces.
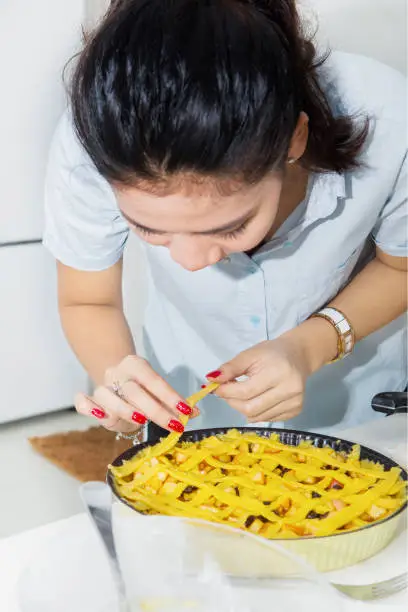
{"x":146,"y":231}
{"x":236,"y":232}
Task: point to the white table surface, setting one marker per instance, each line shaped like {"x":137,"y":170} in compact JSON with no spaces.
{"x":388,"y":436}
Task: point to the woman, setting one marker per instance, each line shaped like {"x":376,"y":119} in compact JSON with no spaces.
{"x":264,"y":185}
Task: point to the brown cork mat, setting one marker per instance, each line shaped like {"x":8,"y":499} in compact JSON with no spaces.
{"x":83,"y":454}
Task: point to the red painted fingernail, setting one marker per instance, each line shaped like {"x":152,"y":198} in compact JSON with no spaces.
{"x":203,"y":386}
{"x":214,"y":374}
{"x":139,"y":418}
{"x":99,"y":414}
{"x":184,"y":408}
{"x":175,"y":426}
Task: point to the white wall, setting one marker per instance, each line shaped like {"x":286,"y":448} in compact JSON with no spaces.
{"x":377,"y":28}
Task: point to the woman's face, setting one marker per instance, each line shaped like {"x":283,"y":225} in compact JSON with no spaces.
{"x":201,"y":223}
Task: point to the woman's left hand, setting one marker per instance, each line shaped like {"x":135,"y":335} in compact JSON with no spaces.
{"x":275,"y":374}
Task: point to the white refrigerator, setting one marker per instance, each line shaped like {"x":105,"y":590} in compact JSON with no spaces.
{"x":38,"y":372}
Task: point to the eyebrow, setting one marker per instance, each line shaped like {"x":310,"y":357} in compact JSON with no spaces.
{"x":215,"y":230}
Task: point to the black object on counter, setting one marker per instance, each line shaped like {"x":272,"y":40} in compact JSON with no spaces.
{"x":393,"y":402}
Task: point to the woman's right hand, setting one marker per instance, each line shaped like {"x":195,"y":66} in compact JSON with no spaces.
{"x":133,"y":394}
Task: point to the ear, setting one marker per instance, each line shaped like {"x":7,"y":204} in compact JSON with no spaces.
{"x":299,"y":139}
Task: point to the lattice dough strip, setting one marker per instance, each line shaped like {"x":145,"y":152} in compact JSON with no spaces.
{"x":212,"y":502}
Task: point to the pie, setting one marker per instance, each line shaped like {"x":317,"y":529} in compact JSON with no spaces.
{"x":261,"y":485}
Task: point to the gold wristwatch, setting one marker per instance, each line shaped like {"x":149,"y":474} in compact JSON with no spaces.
{"x":344,"y":329}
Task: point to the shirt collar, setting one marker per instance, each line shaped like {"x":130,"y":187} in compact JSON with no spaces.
{"x":329,"y":191}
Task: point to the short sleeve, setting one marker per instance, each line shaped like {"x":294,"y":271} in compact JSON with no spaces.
{"x":83,"y":225}
{"x":391,"y":230}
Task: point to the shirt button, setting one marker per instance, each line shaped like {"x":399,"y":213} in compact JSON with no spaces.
{"x":255,"y":320}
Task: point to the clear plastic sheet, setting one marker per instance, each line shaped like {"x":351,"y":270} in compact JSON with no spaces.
{"x":171,"y":565}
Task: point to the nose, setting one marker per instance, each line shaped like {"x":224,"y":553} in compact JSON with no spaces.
{"x":194,"y":253}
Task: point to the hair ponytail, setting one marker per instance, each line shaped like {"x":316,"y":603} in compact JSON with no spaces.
{"x":335,"y":142}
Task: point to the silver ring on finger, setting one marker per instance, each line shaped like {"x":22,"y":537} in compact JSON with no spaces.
{"x":117,"y":389}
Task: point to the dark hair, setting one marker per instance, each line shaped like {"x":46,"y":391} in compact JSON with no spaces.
{"x":209,"y":87}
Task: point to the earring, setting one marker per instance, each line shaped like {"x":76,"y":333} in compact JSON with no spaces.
{"x":291,"y":160}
